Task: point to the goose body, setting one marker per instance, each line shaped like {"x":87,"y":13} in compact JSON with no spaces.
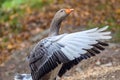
{"x":54,"y":55}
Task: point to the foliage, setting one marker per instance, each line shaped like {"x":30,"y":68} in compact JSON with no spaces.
{"x":12,"y":4}
{"x":12,"y":10}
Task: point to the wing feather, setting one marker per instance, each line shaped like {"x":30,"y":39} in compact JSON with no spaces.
{"x":88,"y":41}
{"x":82,"y":40}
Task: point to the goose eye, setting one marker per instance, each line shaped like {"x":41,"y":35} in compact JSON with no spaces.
{"x":61,"y":11}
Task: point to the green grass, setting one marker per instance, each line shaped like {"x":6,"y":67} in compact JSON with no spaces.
{"x":5,"y":39}
{"x":15,"y":4}
{"x":12,"y":4}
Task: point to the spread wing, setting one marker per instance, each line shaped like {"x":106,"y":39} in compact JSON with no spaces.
{"x":82,"y":45}
{"x":67,"y":49}
{"x":76,"y":44}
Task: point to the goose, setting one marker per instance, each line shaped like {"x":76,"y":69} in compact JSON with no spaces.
{"x":56,"y":54}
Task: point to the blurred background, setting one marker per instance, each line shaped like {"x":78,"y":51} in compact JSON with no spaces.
{"x":24,"y":22}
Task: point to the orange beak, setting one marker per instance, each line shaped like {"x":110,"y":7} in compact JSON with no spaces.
{"x":68,"y":11}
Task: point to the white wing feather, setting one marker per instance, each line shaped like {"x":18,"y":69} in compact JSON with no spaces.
{"x":75,"y":43}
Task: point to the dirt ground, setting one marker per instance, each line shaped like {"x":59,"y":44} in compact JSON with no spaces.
{"x":105,"y":66}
